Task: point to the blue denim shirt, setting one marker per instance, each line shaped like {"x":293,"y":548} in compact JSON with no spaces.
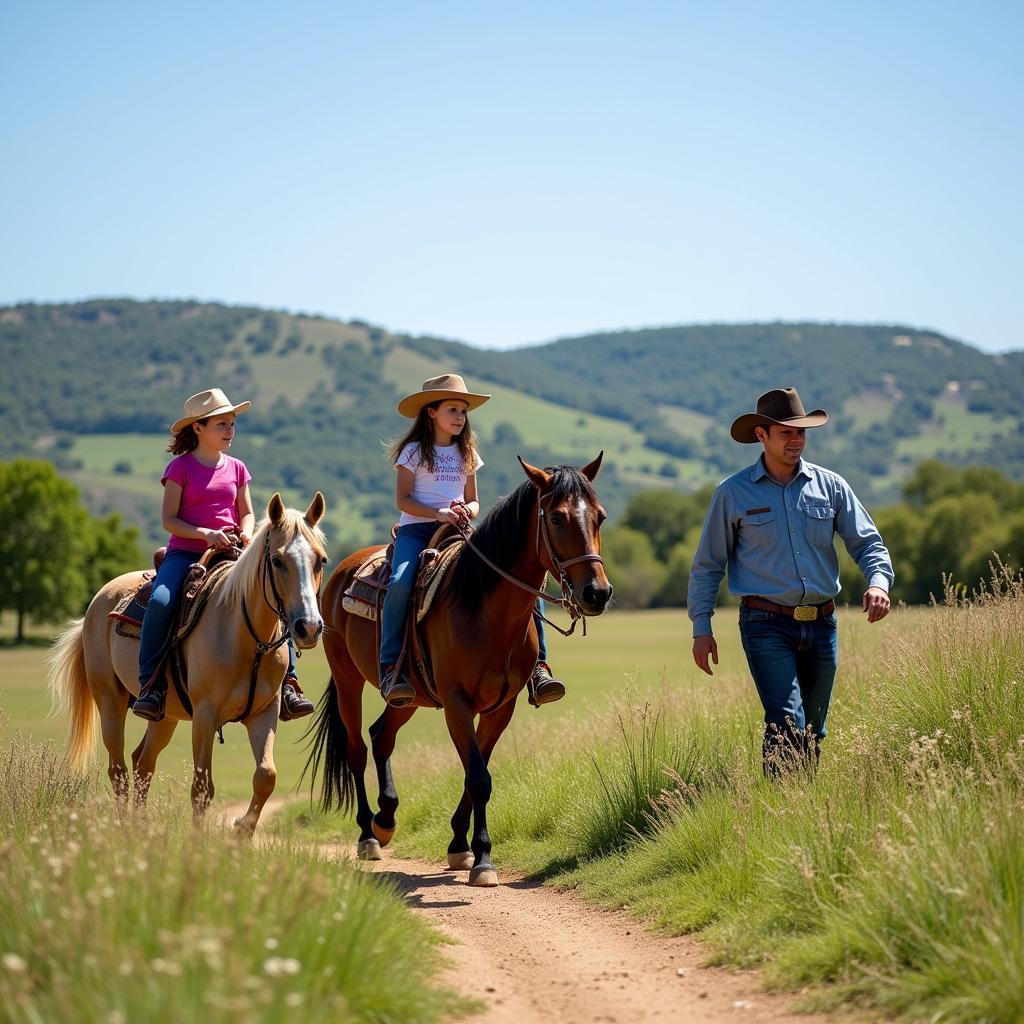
{"x":777,"y":542}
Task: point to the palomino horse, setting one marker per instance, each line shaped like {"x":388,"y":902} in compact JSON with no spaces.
{"x":483,"y":648}
{"x":235,"y":661}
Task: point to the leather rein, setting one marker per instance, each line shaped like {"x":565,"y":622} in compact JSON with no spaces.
{"x":568,"y":599}
{"x":264,"y":647}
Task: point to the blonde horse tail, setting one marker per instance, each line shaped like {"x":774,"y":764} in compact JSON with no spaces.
{"x":70,"y":694}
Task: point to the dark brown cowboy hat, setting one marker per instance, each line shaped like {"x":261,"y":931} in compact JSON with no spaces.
{"x":782,"y":406}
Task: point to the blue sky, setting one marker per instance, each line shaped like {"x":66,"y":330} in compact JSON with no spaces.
{"x":507,"y":174}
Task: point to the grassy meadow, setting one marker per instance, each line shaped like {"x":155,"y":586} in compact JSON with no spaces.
{"x":890,"y":881}
{"x":623,"y":652}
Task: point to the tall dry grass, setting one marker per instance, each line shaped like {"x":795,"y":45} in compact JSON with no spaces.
{"x":114,"y":916}
{"x":891,"y":879}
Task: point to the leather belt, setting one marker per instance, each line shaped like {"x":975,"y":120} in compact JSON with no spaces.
{"x":800,"y":612}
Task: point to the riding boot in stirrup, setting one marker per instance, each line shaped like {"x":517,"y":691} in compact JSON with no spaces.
{"x":293,"y":703}
{"x":396,"y":690}
{"x":150,"y":702}
{"x":543,"y":687}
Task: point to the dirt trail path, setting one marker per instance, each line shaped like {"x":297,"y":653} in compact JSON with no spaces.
{"x":535,"y":955}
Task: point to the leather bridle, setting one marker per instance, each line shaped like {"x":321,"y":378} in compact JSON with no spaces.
{"x":557,"y":568}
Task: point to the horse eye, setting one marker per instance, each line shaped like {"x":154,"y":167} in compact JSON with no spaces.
{"x":557,"y":520}
{"x":278,"y":562}
{"x":323,"y":560}
{"x":601,"y":517}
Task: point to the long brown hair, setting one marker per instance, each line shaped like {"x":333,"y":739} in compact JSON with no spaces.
{"x":422,"y":434}
{"x":185,"y":440}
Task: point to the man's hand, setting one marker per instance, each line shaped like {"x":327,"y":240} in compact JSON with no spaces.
{"x":703,"y":647}
{"x":876,"y":603}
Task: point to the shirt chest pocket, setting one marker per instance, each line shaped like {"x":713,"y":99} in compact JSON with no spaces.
{"x":758,"y":529}
{"x":819,"y":523}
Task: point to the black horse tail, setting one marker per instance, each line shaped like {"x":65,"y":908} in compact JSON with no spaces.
{"x":328,"y":746}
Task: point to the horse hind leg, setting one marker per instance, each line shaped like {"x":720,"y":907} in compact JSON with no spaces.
{"x":112,"y":700}
{"x":382,"y":735}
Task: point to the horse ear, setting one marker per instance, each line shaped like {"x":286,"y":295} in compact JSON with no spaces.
{"x":316,"y":509}
{"x":538,"y":477}
{"x":591,"y":469}
{"x":276,"y":510}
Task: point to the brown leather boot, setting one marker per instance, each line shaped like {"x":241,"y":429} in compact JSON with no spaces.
{"x":543,"y":687}
{"x":151,"y":701}
{"x":293,"y":704}
{"x":396,"y":690}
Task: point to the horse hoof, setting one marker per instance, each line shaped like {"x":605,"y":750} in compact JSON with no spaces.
{"x":486,"y":876}
{"x":241,"y":829}
{"x":384,"y":835}
{"x":368,"y":849}
{"x":460,"y":861}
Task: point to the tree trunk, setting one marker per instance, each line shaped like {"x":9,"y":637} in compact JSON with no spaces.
{"x":21,"y":627}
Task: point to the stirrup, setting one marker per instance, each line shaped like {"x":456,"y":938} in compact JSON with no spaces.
{"x":536,"y":687}
{"x":396,"y":689}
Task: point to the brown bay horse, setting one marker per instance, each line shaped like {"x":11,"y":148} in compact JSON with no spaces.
{"x":235,"y":660}
{"x":482,"y":646}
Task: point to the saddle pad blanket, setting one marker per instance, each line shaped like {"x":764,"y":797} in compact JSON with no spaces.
{"x":199,"y":586}
{"x":364,"y":596}
{"x":132,"y":607}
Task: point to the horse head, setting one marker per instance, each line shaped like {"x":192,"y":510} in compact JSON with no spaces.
{"x":295,"y":557}
{"x":569,"y":518}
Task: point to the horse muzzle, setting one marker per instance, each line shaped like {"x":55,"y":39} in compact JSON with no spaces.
{"x":307,"y":632}
{"x":594,"y":598}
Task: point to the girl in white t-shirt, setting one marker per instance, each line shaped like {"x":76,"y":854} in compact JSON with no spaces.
{"x":436,"y":464}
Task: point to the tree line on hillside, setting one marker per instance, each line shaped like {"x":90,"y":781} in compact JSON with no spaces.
{"x":952,"y":522}
{"x":112,"y":365}
{"x":719,"y":369}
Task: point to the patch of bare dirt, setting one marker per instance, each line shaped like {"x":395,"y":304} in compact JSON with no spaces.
{"x":537,"y":955}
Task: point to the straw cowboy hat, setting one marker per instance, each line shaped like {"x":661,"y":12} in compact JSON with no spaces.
{"x":207,"y":403}
{"x":781,"y":406}
{"x":448,"y":385}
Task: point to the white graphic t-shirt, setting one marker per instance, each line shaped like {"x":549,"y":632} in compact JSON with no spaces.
{"x":438,"y":489}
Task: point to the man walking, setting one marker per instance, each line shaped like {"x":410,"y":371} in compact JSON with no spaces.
{"x":771,"y":526}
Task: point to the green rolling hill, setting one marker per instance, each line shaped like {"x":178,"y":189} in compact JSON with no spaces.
{"x":92,"y":385}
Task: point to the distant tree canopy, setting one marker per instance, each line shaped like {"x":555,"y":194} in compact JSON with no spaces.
{"x":53,"y":555}
{"x":952,"y":523}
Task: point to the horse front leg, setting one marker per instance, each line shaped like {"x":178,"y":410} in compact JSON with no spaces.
{"x":458,"y":713}
{"x":261,"y":728}
{"x":382,"y":736}
{"x":204,"y":726}
{"x":460,"y":855}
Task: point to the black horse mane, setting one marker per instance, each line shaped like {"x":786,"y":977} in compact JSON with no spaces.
{"x":505,"y":532}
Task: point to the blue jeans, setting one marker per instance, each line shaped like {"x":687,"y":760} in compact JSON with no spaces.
{"x":794,"y":666}
{"x":411,"y":541}
{"x":159,"y":617}
{"x":156,"y":623}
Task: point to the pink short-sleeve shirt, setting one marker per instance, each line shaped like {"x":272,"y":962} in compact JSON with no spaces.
{"x":209,"y":495}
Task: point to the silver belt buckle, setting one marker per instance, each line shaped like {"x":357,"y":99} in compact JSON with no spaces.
{"x":805,"y":613}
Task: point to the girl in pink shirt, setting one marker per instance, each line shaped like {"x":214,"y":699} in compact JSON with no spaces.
{"x":206,"y":504}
